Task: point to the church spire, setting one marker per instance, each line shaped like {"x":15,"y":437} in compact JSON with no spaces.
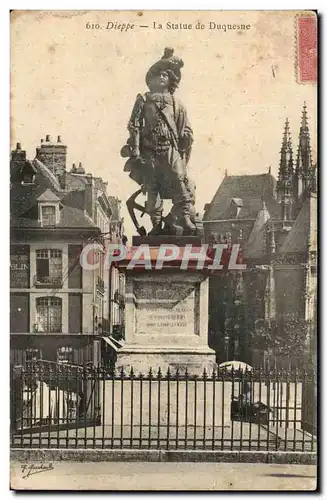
{"x":303,"y":160}
{"x":286,"y":155}
{"x":285,"y":173}
{"x":304,"y":116}
{"x":303,"y":169}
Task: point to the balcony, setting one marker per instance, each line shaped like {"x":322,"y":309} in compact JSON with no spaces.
{"x":47,"y":282}
{"x":100,"y":286}
{"x":50,"y":329}
{"x":103,"y":327}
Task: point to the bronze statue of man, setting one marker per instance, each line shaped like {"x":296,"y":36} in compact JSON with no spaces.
{"x":159,"y":146}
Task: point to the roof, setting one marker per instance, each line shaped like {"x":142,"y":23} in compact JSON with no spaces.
{"x":24,"y":200}
{"x":69,"y":218}
{"x":48,"y":195}
{"x":75,"y":182}
{"x":99,"y":183}
{"x":246,"y":189}
{"x":256,"y":245}
{"x":304,"y":229}
{"x":74,"y":217}
{"x":51,"y":178}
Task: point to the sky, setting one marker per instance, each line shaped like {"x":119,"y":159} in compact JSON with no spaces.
{"x":238,"y":87}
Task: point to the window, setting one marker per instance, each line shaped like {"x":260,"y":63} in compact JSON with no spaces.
{"x":49,"y":266}
{"x":28,"y":178}
{"x":48,"y":214}
{"x":48,"y":314}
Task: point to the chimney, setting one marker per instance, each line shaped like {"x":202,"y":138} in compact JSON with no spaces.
{"x":89,"y":197}
{"x":53,"y":155}
{"x":18,"y":156}
{"x":80,"y":169}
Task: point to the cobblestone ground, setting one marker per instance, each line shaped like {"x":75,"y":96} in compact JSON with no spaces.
{"x":163,"y":476}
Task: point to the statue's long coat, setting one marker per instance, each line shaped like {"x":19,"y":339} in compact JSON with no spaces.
{"x":173,"y":120}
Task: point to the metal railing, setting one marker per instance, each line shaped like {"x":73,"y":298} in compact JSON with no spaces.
{"x":47,"y":281}
{"x":68,"y":406}
{"x":100,"y":286}
{"x":80,"y":355}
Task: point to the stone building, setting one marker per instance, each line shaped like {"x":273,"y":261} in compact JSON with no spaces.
{"x":58,"y":310}
{"x":271,"y":306}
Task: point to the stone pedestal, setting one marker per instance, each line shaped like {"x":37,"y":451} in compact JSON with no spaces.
{"x":166,"y":322}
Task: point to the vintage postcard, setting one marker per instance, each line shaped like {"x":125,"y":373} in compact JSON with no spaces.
{"x":163,"y":253}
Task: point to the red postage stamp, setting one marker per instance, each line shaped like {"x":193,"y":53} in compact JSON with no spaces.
{"x":307,"y":49}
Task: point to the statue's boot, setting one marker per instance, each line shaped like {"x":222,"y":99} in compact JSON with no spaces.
{"x":157,"y":226}
{"x":186,"y":209}
{"x":189,"y":227}
{"x":156,"y":230}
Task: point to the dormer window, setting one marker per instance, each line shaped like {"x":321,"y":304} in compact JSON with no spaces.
{"x":28,"y":178}
{"x":26,"y":174}
{"x":48,"y":215}
{"x":238,"y":204}
{"x":49,"y":210}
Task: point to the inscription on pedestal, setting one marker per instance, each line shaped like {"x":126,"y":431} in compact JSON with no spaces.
{"x":177,"y":318}
{"x":161,"y":320}
{"x":167,"y":310}
{"x":166,"y":323}
{"x":158,"y":292}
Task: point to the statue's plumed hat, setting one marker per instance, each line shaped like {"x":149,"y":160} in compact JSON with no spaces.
{"x":169,"y":63}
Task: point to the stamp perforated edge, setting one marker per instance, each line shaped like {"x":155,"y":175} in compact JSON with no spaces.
{"x":304,"y":14}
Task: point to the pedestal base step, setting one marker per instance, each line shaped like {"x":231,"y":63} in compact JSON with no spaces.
{"x":141,"y":362}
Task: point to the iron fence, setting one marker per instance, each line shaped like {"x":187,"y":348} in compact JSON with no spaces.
{"x":68,"y":406}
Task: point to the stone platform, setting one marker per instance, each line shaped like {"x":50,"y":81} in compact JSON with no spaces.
{"x":166,"y":312}
{"x":142,"y":358}
{"x":166,"y":322}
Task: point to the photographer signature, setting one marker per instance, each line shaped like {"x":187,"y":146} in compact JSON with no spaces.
{"x":31,"y":469}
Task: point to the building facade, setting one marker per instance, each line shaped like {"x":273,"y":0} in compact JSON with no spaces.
{"x":58,"y":309}
{"x":267,"y":311}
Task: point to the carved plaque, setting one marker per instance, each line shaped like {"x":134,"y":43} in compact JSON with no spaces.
{"x":153,"y":291}
{"x":168,"y":310}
